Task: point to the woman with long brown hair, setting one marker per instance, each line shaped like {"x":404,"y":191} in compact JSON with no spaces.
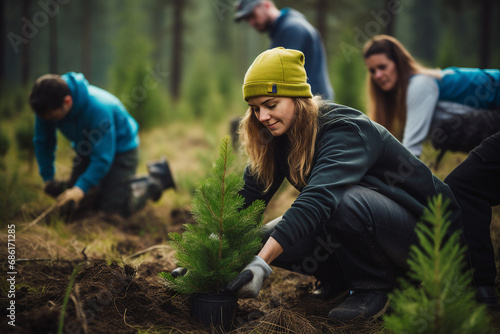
{"x":414,"y":102}
{"x":411,"y":100}
{"x":361,"y":191}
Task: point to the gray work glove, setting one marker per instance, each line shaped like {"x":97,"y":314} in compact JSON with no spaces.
{"x":178,"y":272}
{"x":249,"y":281}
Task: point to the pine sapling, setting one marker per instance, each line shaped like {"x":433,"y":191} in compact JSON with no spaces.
{"x":225,"y":238}
{"x":444,"y":301}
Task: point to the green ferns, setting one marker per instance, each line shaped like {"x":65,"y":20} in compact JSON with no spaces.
{"x":444,"y":303}
{"x":225,"y":238}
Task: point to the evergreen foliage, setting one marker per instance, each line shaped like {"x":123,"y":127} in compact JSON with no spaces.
{"x":225,"y":237}
{"x":444,"y":302}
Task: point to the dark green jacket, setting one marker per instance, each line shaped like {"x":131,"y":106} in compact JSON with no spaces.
{"x":350,"y":150}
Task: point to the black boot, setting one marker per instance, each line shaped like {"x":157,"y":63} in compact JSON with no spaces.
{"x":160,"y":171}
{"x":331,"y":285}
{"x":330,"y":292}
{"x":155,"y":189}
{"x":361,"y":305}
{"x":143,"y":189}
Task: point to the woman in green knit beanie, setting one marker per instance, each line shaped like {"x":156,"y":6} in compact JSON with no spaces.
{"x":361,"y":191}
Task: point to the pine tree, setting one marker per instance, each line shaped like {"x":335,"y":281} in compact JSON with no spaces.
{"x":226,"y":236}
{"x":444,"y":301}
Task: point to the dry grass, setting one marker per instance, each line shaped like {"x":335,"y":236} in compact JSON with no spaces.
{"x":280,"y":320}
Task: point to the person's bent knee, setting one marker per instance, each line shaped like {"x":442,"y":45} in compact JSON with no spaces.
{"x":353,"y":211}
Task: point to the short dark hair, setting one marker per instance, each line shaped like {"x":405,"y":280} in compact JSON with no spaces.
{"x":48,"y":93}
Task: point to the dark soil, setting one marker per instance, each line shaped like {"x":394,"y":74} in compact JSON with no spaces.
{"x":112,"y":298}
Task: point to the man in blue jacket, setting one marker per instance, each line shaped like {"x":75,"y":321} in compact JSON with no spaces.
{"x":105,"y":139}
{"x":290,"y":29}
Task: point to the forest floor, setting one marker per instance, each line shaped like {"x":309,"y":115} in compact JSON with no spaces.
{"x":117,"y":290}
{"x":126,"y":295}
{"x":115,"y":262}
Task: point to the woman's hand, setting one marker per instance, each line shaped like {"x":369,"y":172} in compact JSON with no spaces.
{"x":249,"y":282}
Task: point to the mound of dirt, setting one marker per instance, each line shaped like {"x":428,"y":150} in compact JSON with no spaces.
{"x":104,"y":299}
{"x":112,"y":299}
{"x":40,"y":289}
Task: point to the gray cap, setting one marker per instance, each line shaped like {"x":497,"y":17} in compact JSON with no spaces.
{"x":244,"y":8}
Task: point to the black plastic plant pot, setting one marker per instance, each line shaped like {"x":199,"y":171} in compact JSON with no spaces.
{"x":214,"y":309}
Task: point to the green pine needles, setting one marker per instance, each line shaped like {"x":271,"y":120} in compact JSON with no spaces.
{"x":444,"y":302}
{"x":225,"y":238}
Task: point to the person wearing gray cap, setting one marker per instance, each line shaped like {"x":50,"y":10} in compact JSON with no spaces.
{"x":290,"y":29}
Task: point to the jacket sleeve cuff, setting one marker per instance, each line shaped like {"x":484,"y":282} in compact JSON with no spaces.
{"x":82,"y":185}
{"x":47,"y":174}
{"x":263,"y":265}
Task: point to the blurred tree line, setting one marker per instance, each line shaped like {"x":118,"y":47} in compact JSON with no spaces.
{"x":163,"y":58}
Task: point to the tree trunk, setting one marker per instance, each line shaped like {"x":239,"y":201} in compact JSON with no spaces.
{"x":2,"y":45}
{"x":158,"y":33}
{"x":25,"y":51}
{"x":485,"y":38}
{"x":177,"y":48}
{"x":389,"y":29}
{"x":53,"y":45}
{"x":322,"y":24}
{"x":86,"y":38}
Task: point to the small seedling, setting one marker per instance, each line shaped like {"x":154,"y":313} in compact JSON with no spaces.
{"x":444,"y":301}
{"x":225,"y":238}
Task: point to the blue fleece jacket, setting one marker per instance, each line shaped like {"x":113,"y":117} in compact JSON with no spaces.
{"x":474,"y":87}
{"x":98,"y":126}
{"x":292,"y":31}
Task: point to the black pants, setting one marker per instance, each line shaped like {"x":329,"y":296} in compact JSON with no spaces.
{"x":364,"y":244}
{"x":113,"y":193}
{"x":476,"y":186}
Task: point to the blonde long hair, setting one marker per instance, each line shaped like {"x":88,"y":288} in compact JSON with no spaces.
{"x":389,"y":108}
{"x":260,"y":144}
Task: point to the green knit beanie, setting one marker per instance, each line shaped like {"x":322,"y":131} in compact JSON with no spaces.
{"x":277,"y":72}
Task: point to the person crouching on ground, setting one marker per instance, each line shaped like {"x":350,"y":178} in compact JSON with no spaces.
{"x":415,"y":102}
{"x":105,"y":139}
{"x":361,"y":190}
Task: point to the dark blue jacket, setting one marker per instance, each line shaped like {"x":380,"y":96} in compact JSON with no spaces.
{"x":292,"y":31}
{"x":98,"y":126}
